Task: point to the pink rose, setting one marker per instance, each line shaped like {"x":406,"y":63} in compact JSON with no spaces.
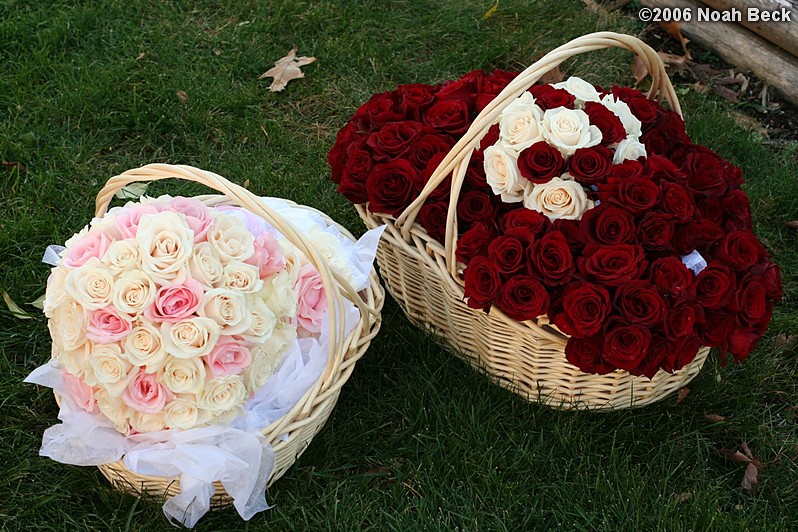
{"x":145,"y":394}
{"x":94,"y":244}
{"x":106,"y":326}
{"x":198,"y":216}
{"x":127,"y":221}
{"x":229,"y":357}
{"x":268,"y":255}
{"x":312,"y":302}
{"x":175,"y":302}
{"x":79,"y":391}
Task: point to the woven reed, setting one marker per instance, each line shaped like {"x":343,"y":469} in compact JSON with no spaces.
{"x":291,"y":434}
{"x":525,"y":357}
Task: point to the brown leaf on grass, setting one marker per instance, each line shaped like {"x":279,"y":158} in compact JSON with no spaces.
{"x":749,"y":122}
{"x":674,"y":29}
{"x":684,"y":391}
{"x":246,"y":183}
{"x":594,"y":7}
{"x":742,"y":455}
{"x":714,"y":418}
{"x":492,"y":11}
{"x":182,"y":96}
{"x":639,"y":70}
{"x":682,"y":497}
{"x":286,"y":69}
{"x":792,"y":224}
{"x":675,"y":64}
{"x":726,"y":93}
{"x":555,"y":75}
{"x":11,"y":166}
{"x":784,"y":341}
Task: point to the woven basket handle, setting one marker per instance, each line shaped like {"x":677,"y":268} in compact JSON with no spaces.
{"x":457,"y":159}
{"x":333,"y":283}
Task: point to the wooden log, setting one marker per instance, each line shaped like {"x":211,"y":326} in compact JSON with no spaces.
{"x":782,"y":34}
{"x":740,"y":47}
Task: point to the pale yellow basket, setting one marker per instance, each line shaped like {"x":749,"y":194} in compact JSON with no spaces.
{"x":525,"y":357}
{"x":291,"y":434}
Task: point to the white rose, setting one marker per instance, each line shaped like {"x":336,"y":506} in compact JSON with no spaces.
{"x":519,"y":124}
{"x":90,"y":284}
{"x":141,"y":422}
{"x":68,"y":325}
{"x":278,"y":292}
{"x":56,"y":290}
{"x":628,"y":149}
{"x":501,"y":171}
{"x":228,"y":309}
{"x":133,"y":292}
{"x":77,"y":237}
{"x":264,"y":362}
{"x":205,"y":266}
{"x":184,"y":375}
{"x":294,"y":259}
{"x":559,"y":198}
{"x":183,"y":413}
{"x":581,"y":89}
{"x":222,"y":394}
{"x":241,"y":277}
{"x":166,"y":243}
{"x":262,"y":323}
{"x":329,"y":247}
{"x":107,"y":369}
{"x":194,"y":337}
{"x":630,"y":122}
{"x":75,"y":360}
{"x":123,"y":255}
{"x":231,"y":239}
{"x":568,"y":130}
{"x":115,"y":410}
{"x":282,"y":337}
{"x":143,"y":347}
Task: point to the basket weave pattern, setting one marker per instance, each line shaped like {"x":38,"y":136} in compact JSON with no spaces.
{"x":290,"y":435}
{"x":525,"y":357}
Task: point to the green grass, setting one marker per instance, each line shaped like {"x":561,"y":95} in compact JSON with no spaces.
{"x":419,"y":440}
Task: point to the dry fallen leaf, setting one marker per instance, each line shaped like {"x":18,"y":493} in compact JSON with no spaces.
{"x":682,"y":497}
{"x":140,"y":56}
{"x":14,"y":308}
{"x":38,"y":302}
{"x":286,"y":69}
{"x":674,"y":29}
{"x":19,"y":167}
{"x":792,"y":225}
{"x":246,"y":183}
{"x":639,"y":70}
{"x":676,"y":64}
{"x":783,"y":341}
{"x":741,"y":454}
{"x":492,"y":11}
{"x":555,"y":75}
{"x":684,"y":391}
{"x":714,"y":418}
{"x":183,"y":97}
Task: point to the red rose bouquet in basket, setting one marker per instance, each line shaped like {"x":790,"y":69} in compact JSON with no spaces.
{"x":570,"y":240}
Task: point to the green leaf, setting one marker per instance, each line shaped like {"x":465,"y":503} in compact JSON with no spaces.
{"x":132,"y":191}
{"x":38,"y":302}
{"x":14,"y":308}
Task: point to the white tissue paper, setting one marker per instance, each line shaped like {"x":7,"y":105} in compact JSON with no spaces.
{"x":695,"y":262}
{"x":237,"y":455}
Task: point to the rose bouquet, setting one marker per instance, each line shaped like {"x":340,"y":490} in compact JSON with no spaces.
{"x":181,"y":325}
{"x":583,"y":210}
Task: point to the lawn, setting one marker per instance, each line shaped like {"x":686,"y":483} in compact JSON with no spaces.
{"x":418,"y":440}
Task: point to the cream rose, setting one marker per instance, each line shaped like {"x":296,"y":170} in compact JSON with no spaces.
{"x":143,"y":347}
{"x":559,"y":198}
{"x":141,"y":422}
{"x":56,"y":290}
{"x":628,"y":149}
{"x":228,"y":309}
{"x":501,"y":171}
{"x":630,"y":122}
{"x":568,"y":130}
{"x":107,"y":369}
{"x":222,"y":394}
{"x":194,"y":337}
{"x":115,"y":410}
{"x":581,"y":89}
{"x":90,"y":284}
{"x":75,"y":360}
{"x":231,"y":239}
{"x":123,"y":255}
{"x":166,"y":244}
{"x":68,"y":325}
{"x":519,"y":124}
{"x":183,"y":413}
{"x":263,"y":364}
{"x":329,"y":247}
{"x":133,"y":292}
{"x":205,"y":266}
{"x":241,"y":277}
{"x":184,"y":375}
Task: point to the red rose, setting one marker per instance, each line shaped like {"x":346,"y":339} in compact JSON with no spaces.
{"x":474,"y":206}
{"x":741,"y":342}
{"x":672,"y":127}
{"x":751,"y":300}
{"x":608,"y":225}
{"x":473,"y":242}
{"x":625,"y":346}
{"x":392,"y":187}
{"x":482,"y":283}
{"x":523,"y":298}
{"x":432,"y":217}
{"x":672,"y":277}
{"x":715,"y":327}
{"x":426,"y":147}
{"x":740,"y":250}
{"x":771,"y":276}
{"x":660,"y":168}
{"x":656,"y":143}
{"x":547,"y":97}
{"x":626,"y":93}
{"x":551,"y":259}
{"x":715,"y":285}
{"x":640,"y":303}
{"x":651,"y":364}
{"x":736,"y":209}
{"x":645,"y":110}
{"x":475,"y":176}
{"x":585,"y":306}
{"x":680,"y":321}
{"x":443,"y":190}
{"x":507,"y":253}
{"x":612,"y":265}
{"x":450,"y":116}
{"x":393,"y":140}
{"x":627,"y":169}
{"x":540,"y":162}
{"x":571,"y":230}
{"x":355,"y":174}
{"x":677,"y":201}
{"x":489,"y":87}
{"x":590,"y":165}
{"x":377,"y":111}
{"x":585,"y":354}
{"x":634,"y":194}
{"x":414,"y":99}
{"x":655,"y":231}
{"x":606,"y":121}
{"x":533,"y":221}
{"x":490,"y":138}
{"x":696,"y":235}
{"x":337,"y":155}
{"x":706,"y":171}
{"x":710,"y":209}
{"x":680,"y":352}
{"x":462,"y":89}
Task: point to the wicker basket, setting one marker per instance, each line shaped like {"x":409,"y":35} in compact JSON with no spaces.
{"x":291,"y":434}
{"x":525,"y":357}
